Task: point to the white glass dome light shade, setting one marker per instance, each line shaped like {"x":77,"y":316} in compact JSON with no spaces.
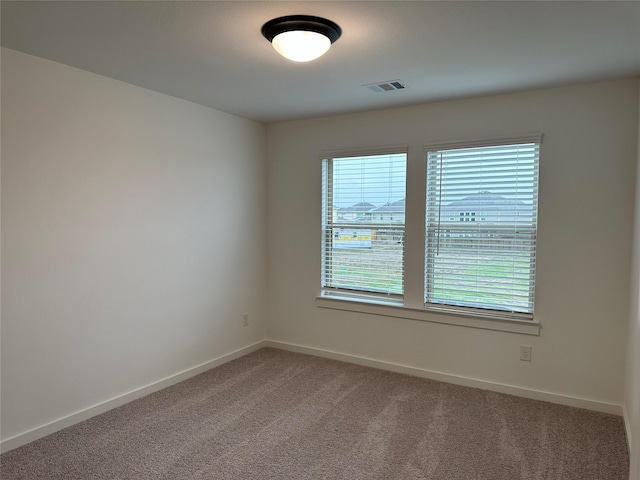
{"x":301,"y":38}
{"x":301,"y":45}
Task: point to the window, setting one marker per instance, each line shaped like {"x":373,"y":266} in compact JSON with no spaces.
{"x":478,"y":241}
{"x":363,"y":219}
{"x":485,"y":267}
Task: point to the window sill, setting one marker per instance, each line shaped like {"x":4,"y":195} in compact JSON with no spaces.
{"x":524,"y":327}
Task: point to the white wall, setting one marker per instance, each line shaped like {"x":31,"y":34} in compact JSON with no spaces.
{"x":587,"y":172}
{"x":632,"y":397}
{"x":133,"y":238}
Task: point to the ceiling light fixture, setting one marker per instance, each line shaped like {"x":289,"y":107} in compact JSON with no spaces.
{"x":301,"y":38}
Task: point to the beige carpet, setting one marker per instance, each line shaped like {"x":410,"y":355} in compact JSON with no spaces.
{"x":280,"y":415}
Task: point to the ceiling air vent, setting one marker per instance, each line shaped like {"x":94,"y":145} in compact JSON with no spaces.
{"x":388,"y":86}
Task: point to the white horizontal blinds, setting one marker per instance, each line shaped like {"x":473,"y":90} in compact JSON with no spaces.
{"x":363,"y":225}
{"x":482,"y":209}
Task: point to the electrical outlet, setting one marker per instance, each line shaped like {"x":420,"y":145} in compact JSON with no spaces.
{"x":245,"y":320}
{"x":525,"y":353}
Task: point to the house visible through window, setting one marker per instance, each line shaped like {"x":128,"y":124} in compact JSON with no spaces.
{"x":363,"y":219}
{"x":484,"y":263}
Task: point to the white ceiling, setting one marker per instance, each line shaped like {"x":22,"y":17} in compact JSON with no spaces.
{"x":213,"y":53}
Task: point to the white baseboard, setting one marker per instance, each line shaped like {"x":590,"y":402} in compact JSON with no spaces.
{"x":455,"y":379}
{"x":77,"y":417}
{"x":627,"y":427}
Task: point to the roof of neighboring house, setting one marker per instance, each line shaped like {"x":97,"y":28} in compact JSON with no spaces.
{"x":486,"y":201}
{"x":392,"y":207}
{"x":357,"y":208}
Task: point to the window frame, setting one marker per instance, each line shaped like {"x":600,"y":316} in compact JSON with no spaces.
{"x":534,"y":138}
{"x":356,"y":295}
{"x":415,"y":310}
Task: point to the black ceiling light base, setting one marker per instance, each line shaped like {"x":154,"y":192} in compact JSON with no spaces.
{"x":307,"y":23}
